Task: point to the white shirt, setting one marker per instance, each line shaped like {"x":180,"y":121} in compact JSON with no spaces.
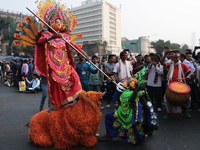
{"x":35,"y":83}
{"x":152,"y":74}
{"x":117,"y":69}
{"x":186,"y":62}
{"x":169,"y":60}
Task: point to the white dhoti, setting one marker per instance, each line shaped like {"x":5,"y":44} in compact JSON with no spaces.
{"x":175,"y":109}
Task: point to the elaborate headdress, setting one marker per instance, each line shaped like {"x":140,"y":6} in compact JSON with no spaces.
{"x":50,"y":10}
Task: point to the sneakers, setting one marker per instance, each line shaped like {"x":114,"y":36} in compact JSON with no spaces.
{"x":102,"y":108}
{"x":159,"y":109}
{"x":108,"y":106}
{"x":115,"y":105}
{"x":104,"y":138}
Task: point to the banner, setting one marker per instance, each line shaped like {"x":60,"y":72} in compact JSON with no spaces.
{"x":22,"y":86}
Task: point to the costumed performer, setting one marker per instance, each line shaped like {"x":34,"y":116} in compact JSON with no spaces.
{"x":53,"y":56}
{"x":135,"y":117}
{"x":176,"y":71}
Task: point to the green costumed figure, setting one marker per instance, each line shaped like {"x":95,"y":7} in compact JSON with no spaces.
{"x":135,"y":118}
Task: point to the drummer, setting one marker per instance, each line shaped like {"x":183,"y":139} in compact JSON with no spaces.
{"x":176,"y":70}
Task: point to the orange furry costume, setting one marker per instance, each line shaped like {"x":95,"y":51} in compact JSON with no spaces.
{"x":70,"y":126}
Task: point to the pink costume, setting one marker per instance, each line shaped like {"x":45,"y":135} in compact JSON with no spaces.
{"x":63,"y":82}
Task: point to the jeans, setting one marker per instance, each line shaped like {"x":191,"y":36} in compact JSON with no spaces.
{"x":2,"y":79}
{"x":16,"y":81}
{"x":86,"y":88}
{"x":30,"y":76}
{"x":193,"y":93}
{"x":157,"y":95}
{"x":110,"y":88}
{"x":95,"y":88}
{"x":44,"y":94}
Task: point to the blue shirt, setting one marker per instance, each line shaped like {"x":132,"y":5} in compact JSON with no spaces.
{"x":83,"y":70}
{"x":14,"y":69}
{"x":29,"y":67}
{"x":95,"y":79}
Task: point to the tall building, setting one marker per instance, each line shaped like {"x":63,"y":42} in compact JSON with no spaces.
{"x":17,"y":16}
{"x":141,"y":45}
{"x":99,"y":21}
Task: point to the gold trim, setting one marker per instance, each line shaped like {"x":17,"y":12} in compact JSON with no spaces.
{"x":70,"y":99}
{"x":136,"y":116}
{"x":67,"y":101}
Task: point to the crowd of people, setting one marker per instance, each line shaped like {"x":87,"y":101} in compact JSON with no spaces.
{"x":23,"y":70}
{"x":158,"y":74}
{"x":119,"y":68}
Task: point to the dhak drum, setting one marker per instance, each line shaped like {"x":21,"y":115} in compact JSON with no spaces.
{"x":177,"y":93}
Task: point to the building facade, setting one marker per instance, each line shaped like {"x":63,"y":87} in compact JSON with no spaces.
{"x":141,"y":45}
{"x":99,"y":21}
{"x":17,"y":17}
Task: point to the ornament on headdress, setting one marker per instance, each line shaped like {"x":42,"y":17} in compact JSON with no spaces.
{"x":50,"y":10}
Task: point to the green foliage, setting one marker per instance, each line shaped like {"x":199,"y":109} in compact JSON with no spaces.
{"x":175,"y":46}
{"x":160,"y":43}
{"x":105,"y":43}
{"x":184,"y":47}
{"x":16,"y":50}
{"x":28,"y":50}
{"x":5,"y":21}
{"x":97,"y":42}
{"x":109,"y":52}
{"x":6,"y":34}
{"x":8,"y":50}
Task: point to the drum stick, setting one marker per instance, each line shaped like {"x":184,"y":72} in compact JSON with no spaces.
{"x":181,"y":79}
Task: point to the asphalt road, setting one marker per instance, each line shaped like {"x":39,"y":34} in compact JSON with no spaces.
{"x":176,"y":133}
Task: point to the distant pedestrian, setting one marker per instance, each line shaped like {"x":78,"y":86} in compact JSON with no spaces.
{"x":83,"y":68}
{"x":15,"y":73}
{"x":44,"y":92}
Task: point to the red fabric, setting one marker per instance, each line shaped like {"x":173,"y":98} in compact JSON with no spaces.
{"x":40,"y":61}
{"x":41,"y":41}
{"x":185,"y":68}
{"x":57,"y":95}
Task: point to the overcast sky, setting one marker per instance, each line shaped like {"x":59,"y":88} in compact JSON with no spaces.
{"x":172,"y":20}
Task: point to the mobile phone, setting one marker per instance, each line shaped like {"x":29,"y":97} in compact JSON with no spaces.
{"x":126,"y":49}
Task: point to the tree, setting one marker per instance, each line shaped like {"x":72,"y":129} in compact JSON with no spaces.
{"x":175,"y":46}
{"x":159,"y":44}
{"x":105,"y":43}
{"x":28,"y":51}
{"x":5,"y":21}
{"x":6,"y":34}
{"x":16,"y":50}
{"x":184,"y":47}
